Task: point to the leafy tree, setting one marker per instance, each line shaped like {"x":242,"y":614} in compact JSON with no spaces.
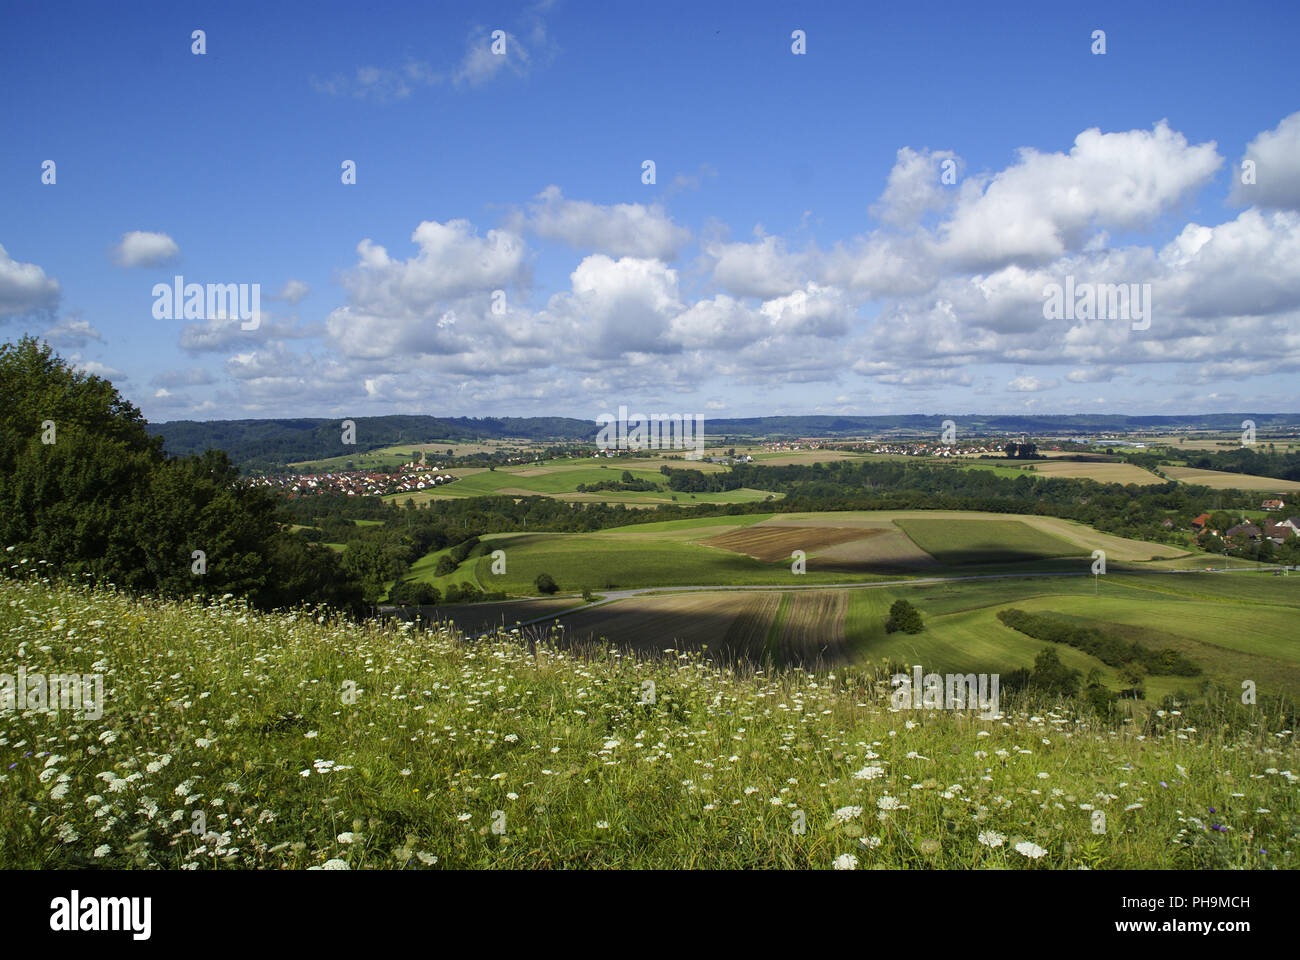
{"x":545,"y":583}
{"x":446,"y":566}
{"x":307,"y":573}
{"x":1220,"y":520}
{"x":905,"y":617}
{"x":414,"y":593}
{"x":84,"y":486}
{"x":1052,"y":676}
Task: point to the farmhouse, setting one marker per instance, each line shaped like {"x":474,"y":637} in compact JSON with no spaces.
{"x":1200,"y":522}
{"x":1243,"y":531}
{"x":1279,"y":533}
{"x":1273,"y":505}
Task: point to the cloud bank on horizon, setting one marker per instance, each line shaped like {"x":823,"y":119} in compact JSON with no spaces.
{"x":666,"y":253}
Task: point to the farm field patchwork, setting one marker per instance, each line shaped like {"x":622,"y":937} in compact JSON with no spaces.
{"x":1211,"y":618}
{"x":773,"y":543}
{"x":678,"y":621}
{"x":755,"y":549}
{"x":1230,"y":640}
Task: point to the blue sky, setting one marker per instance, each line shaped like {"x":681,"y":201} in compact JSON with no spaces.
{"x":799,"y":251}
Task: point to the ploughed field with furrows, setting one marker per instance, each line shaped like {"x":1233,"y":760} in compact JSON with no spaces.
{"x":777,"y":543}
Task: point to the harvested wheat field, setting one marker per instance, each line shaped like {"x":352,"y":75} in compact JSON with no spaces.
{"x":1100,"y":471}
{"x":771,"y":543}
{"x":1221,"y":480}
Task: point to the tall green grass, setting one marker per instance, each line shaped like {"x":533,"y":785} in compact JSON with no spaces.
{"x":308,"y":741}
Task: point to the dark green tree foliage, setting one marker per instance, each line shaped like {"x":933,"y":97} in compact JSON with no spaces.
{"x":70,"y":502}
{"x":306,"y":573}
{"x":1250,"y":460}
{"x":903,"y":617}
{"x":414,"y":593}
{"x":1052,"y":676}
{"x":1021,"y":451}
{"x":545,"y":583}
{"x":697,"y":481}
{"x":462,"y":550}
{"x":103,"y":501}
{"x":1109,"y":650}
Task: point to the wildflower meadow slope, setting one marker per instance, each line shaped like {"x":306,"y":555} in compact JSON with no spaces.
{"x":234,"y":739}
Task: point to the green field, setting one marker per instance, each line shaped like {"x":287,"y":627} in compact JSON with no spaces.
{"x":387,"y":458}
{"x":1204,"y":617}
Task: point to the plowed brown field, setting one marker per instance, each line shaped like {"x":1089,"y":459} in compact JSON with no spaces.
{"x":814,"y":628}
{"x":774,"y":543}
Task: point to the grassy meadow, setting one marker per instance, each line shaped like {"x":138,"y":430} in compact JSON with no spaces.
{"x":233,"y":739}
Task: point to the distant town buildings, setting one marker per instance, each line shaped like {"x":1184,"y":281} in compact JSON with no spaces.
{"x":410,"y":478}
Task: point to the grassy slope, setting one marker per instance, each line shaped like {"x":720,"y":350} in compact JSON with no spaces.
{"x":241,"y":715}
{"x":1236,"y":628}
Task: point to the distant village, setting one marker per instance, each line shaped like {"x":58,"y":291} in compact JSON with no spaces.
{"x":1244,"y":532}
{"x":409,"y":478}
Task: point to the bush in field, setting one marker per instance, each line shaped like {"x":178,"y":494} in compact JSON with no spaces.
{"x":905,"y":617}
{"x":462,"y":550}
{"x":545,"y":583}
{"x":446,"y":566}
